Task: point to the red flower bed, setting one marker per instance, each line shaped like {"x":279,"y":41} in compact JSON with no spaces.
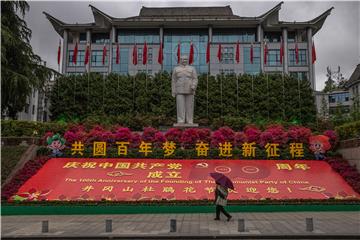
{"x":348,"y":172}
{"x":29,"y":169}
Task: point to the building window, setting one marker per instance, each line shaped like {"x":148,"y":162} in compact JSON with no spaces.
{"x":227,"y":55}
{"x":79,"y":61}
{"x":96,"y":58}
{"x":291,"y":37}
{"x":122,"y":67}
{"x":273,"y":57}
{"x":252,"y":68}
{"x":299,"y":75}
{"x":100,"y":38}
{"x":233,"y":35}
{"x":302,"y":57}
{"x":272,"y":36}
{"x":138,"y":36}
{"x":26,"y":110}
{"x":82,"y":38}
{"x":149,"y":55}
{"x":339,"y":98}
{"x":199,"y":38}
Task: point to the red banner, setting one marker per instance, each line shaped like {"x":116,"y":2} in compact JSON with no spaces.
{"x":156,"y":179}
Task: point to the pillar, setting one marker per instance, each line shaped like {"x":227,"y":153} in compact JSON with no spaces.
{"x":65,"y":51}
{"x":111,"y":50}
{"x":260,"y":39}
{"x":285,"y":41}
{"x":88,"y":40}
{"x":311,"y":66}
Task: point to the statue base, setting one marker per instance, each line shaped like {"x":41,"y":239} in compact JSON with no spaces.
{"x":186,"y":125}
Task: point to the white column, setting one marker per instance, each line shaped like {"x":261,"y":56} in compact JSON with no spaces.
{"x":88,"y":40}
{"x":311,"y":66}
{"x":285,"y":41}
{"x":112,"y":41}
{"x":260,"y":38}
{"x":65,"y":51}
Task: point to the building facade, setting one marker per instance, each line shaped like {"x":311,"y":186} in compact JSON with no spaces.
{"x":353,"y":85}
{"x":332,"y":103}
{"x":196,"y":25}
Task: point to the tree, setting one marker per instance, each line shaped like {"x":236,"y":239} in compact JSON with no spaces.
{"x":21,"y":69}
{"x":335,"y":80}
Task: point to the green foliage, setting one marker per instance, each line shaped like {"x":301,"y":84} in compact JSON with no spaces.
{"x":10,"y":156}
{"x":11,"y":128}
{"x":21,"y":69}
{"x":141,"y":100}
{"x":349,"y":130}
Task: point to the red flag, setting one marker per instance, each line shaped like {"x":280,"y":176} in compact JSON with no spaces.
{"x":144,"y":61}
{"x":87,"y":53}
{"x":117,"y":53}
{"x":208,"y":52}
{"x":191,"y":55}
{"x":59,"y":52}
{"x":135,"y":55}
{"x":266,"y":52}
{"x":219,"y":52}
{"x":313,"y":53}
{"x":251,"y":54}
{"x":75,"y":53}
{"x":178,"y":53}
{"x":237,"y":54}
{"x":104,"y":54}
{"x":160,"y":55}
{"x":281,"y":51}
{"x":296,"y":53}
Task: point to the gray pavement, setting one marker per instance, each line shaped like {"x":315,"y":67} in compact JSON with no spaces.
{"x":339,"y":225}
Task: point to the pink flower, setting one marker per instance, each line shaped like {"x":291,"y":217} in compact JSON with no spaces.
{"x":274,"y":134}
{"x":135,"y":140}
{"x":173,"y":134}
{"x":149,"y":134}
{"x":239,"y":138}
{"x":252,"y":133}
{"x":299,"y":134}
{"x":333,"y":137}
{"x":189,"y":137}
{"x":122,"y":134}
{"x":159,"y":139}
{"x":204,"y":134}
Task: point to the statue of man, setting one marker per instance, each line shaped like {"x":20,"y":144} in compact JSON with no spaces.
{"x":183,"y":86}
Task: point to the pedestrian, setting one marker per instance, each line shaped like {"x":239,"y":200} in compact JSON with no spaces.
{"x":221,"y":194}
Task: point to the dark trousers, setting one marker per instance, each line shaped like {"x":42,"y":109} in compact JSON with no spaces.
{"x":221,"y":209}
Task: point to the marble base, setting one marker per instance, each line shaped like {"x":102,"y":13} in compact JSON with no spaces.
{"x":186,"y":125}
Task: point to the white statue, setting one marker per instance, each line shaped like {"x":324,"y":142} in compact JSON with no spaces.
{"x":183,"y":86}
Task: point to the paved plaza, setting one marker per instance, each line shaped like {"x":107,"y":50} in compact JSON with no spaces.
{"x":339,"y":225}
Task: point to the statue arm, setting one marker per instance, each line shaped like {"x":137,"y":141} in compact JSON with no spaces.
{"x":173,"y":82}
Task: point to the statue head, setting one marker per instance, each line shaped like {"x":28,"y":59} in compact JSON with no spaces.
{"x":184,"y":59}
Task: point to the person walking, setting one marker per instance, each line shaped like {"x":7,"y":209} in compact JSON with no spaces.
{"x":221,"y":194}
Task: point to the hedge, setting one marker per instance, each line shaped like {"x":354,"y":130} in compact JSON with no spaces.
{"x":349,"y":130}
{"x":250,"y":98}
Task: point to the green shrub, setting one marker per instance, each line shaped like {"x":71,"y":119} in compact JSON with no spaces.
{"x":146,"y":100}
{"x":349,"y":130}
{"x":13,"y":128}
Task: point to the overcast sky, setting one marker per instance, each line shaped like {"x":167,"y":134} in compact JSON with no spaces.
{"x":337,"y":43}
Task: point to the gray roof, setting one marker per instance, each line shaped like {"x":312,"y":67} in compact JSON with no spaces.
{"x":188,"y":17}
{"x":355,"y":77}
{"x":185,"y":11}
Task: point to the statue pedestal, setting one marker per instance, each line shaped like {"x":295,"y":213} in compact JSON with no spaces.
{"x":186,"y":125}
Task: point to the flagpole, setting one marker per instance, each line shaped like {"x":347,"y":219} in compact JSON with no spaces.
{"x":268,"y":95}
{"x":299,"y":99}
{"x":283,"y":93}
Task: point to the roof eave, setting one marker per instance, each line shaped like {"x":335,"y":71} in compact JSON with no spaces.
{"x":98,"y":14}
{"x":56,"y":23}
{"x":275,"y":9}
